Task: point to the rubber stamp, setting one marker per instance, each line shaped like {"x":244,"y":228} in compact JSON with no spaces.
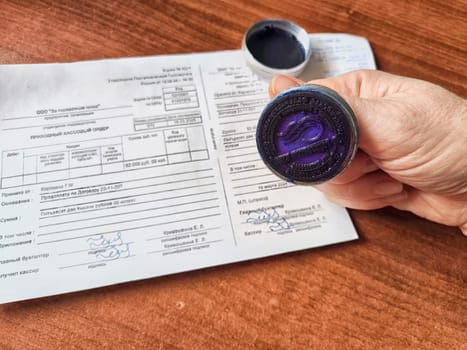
{"x":307,"y":134}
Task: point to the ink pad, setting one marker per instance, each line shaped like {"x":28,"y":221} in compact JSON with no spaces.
{"x":307,"y":134}
{"x":276,"y":46}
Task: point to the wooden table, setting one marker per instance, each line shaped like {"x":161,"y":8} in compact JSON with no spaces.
{"x":402,"y":285}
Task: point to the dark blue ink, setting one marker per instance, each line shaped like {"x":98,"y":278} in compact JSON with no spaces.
{"x":275,"y":47}
{"x":101,"y":241}
{"x":108,"y":247}
{"x":268,"y":216}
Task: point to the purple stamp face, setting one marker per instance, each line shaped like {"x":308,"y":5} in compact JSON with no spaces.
{"x":307,"y":134}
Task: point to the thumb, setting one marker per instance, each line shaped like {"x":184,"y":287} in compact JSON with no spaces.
{"x":282,"y":82}
{"x":375,"y":127}
{"x":364,"y":91}
{"x":360,"y":90}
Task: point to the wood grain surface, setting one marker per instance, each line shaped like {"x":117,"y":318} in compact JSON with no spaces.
{"x":403,"y":285}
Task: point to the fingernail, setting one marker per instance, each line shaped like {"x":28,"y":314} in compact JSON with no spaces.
{"x":387,"y":188}
{"x":282,"y":82}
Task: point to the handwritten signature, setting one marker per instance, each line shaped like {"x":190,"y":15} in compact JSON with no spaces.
{"x":109,"y":246}
{"x":268,"y":216}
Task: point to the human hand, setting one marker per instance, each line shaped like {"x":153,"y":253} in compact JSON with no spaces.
{"x":412,"y":150}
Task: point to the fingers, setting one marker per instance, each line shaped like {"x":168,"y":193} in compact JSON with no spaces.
{"x":360,"y":165}
{"x":435,"y":207}
{"x":370,"y":204}
{"x":370,"y":191}
{"x":463,"y":228}
{"x":378,"y":120}
{"x":366,"y":84}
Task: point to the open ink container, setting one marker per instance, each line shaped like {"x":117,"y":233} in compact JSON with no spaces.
{"x":276,"y":46}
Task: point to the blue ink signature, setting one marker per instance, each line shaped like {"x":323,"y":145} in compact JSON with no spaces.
{"x":268,"y":216}
{"x":109,"y":247}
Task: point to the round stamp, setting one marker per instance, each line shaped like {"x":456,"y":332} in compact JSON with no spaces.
{"x":307,"y":134}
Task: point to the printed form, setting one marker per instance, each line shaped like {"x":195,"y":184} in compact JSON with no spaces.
{"x":124,"y":169}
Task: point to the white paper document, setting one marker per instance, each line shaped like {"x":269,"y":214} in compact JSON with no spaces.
{"x":124,"y":169}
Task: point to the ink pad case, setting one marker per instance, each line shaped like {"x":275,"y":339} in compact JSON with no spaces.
{"x":307,"y":134}
{"x":276,"y":46}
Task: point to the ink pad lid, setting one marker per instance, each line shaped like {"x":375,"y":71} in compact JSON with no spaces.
{"x":276,"y":46}
{"x":307,"y":134}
